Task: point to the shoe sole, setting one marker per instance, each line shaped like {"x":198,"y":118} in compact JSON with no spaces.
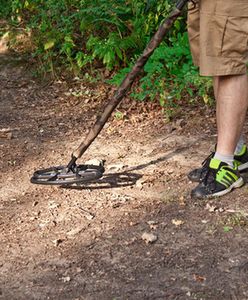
{"x":236,"y":184}
{"x":243,"y":167}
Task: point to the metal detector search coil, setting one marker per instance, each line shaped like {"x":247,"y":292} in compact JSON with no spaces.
{"x":61,"y":175}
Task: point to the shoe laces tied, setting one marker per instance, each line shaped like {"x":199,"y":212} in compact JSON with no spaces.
{"x":209,"y":179}
{"x":205,"y":166}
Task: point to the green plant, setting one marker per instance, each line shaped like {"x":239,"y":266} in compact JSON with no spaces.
{"x":119,"y":115}
{"x":81,"y":36}
{"x":237,"y":219}
{"x":80,"y":32}
{"x":227,"y":228}
{"x":5,"y":8}
{"x":169,"y":75}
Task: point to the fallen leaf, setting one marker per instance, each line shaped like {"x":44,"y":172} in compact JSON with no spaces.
{"x":153,"y":224}
{"x":199,"y":278}
{"x":177,"y":222}
{"x":75,"y":231}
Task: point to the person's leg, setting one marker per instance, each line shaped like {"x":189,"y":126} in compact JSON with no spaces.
{"x":232,"y":103}
{"x":241,"y":141}
{"x":240,"y":155}
{"x":240,"y":144}
{"x":224,"y":55}
{"x":216,"y":86}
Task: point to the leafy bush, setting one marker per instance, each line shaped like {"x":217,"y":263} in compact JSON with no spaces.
{"x":169,"y":74}
{"x":5,"y":8}
{"x":78,"y":34}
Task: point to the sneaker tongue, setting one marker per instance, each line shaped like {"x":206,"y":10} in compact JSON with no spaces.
{"x":215,"y":163}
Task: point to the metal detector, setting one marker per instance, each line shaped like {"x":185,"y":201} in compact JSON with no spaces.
{"x":73,"y":173}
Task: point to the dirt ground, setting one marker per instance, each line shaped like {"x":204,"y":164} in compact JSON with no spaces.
{"x":89,"y":241}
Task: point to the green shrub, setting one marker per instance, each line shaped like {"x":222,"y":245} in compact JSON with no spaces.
{"x":5,"y":8}
{"x":169,"y":75}
{"x":79,"y":34}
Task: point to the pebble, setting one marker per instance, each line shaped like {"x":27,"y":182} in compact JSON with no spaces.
{"x":149,"y":238}
{"x":66,"y":279}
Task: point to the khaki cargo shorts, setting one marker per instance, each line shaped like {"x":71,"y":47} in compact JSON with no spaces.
{"x":218,"y":35}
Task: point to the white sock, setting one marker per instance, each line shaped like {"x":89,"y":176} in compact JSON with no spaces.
{"x":228,"y":159}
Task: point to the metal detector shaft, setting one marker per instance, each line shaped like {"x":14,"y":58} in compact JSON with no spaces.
{"x":128,"y":80}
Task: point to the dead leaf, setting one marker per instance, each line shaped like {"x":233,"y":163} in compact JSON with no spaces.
{"x":75,"y":231}
{"x":177,"y":222}
{"x":153,"y":224}
{"x":199,"y":278}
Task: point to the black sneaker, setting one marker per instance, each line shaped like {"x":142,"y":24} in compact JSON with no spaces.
{"x":219,"y":180}
{"x":197,"y":175}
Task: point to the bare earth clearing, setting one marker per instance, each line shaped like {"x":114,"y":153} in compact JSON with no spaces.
{"x":85,"y":242}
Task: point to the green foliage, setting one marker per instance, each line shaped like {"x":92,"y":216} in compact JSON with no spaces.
{"x":80,"y":32}
{"x":5,"y":8}
{"x":169,"y":74}
{"x":83,"y":35}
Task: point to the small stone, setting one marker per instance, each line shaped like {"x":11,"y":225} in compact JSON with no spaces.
{"x":53,"y":205}
{"x":149,"y":238}
{"x":211,"y":208}
{"x":66,"y":279}
{"x":133,"y":223}
{"x":89,"y":217}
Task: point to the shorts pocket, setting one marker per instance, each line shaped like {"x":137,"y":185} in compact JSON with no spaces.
{"x":235,"y":41}
{"x":227,"y":36}
{"x":215,"y":35}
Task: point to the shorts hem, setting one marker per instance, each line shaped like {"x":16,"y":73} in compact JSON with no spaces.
{"x":224,"y":72}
